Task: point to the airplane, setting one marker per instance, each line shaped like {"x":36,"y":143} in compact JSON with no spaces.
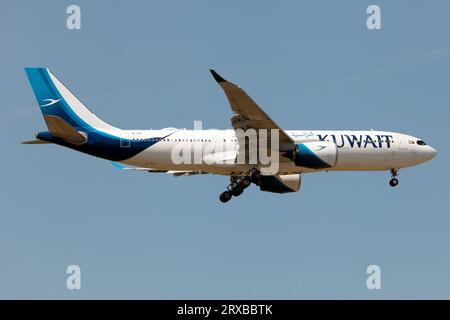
{"x":70,"y":124}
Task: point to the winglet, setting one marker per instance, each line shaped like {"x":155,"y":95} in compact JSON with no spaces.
{"x":216,"y":76}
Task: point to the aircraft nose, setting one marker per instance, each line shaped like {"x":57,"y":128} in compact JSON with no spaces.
{"x":429,"y":153}
{"x":433,"y":152}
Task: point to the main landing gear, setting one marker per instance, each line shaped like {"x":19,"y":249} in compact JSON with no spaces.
{"x":238,"y":185}
{"x":394,"y":181}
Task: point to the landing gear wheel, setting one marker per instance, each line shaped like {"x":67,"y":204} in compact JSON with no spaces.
{"x":393,"y":182}
{"x":256,"y":177}
{"x":236,"y":187}
{"x":225,"y":196}
{"x":245,"y":182}
{"x":237,"y":191}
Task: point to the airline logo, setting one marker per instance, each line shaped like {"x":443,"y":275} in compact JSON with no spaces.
{"x":49,"y":102}
{"x":359,"y":141}
{"x":303,"y":135}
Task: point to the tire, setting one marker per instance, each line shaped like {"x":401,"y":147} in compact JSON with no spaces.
{"x":237,"y":191}
{"x":393,"y":182}
{"x":256,"y":178}
{"x":245,"y":182}
{"x":225,"y":196}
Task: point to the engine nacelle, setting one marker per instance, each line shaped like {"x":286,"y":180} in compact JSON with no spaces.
{"x":281,"y":183}
{"x":315,"y":155}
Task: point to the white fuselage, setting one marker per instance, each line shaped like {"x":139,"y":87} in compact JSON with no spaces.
{"x":356,"y":150}
{"x":257,"y":151}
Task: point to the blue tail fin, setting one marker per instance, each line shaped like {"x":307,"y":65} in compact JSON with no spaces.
{"x":56,"y":101}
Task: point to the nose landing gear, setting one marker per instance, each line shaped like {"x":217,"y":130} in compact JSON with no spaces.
{"x":394,"y":181}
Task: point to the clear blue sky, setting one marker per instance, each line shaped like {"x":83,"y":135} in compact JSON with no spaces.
{"x":144,"y":64}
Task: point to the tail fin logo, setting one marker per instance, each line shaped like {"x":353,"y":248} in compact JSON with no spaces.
{"x":49,"y":102}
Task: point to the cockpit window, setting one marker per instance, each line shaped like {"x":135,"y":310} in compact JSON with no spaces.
{"x":421,"y":143}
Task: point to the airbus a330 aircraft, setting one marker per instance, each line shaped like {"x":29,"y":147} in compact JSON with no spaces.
{"x":71,"y":124}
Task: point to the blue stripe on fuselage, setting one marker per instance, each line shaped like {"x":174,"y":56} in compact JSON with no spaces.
{"x":105,"y":147}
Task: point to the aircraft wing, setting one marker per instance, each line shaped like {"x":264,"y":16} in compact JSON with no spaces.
{"x":247,"y":114}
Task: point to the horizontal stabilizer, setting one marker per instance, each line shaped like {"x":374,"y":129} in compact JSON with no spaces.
{"x":36,"y":141}
{"x":61,"y":129}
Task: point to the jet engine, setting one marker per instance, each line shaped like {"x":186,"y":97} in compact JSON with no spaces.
{"x":280,"y":183}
